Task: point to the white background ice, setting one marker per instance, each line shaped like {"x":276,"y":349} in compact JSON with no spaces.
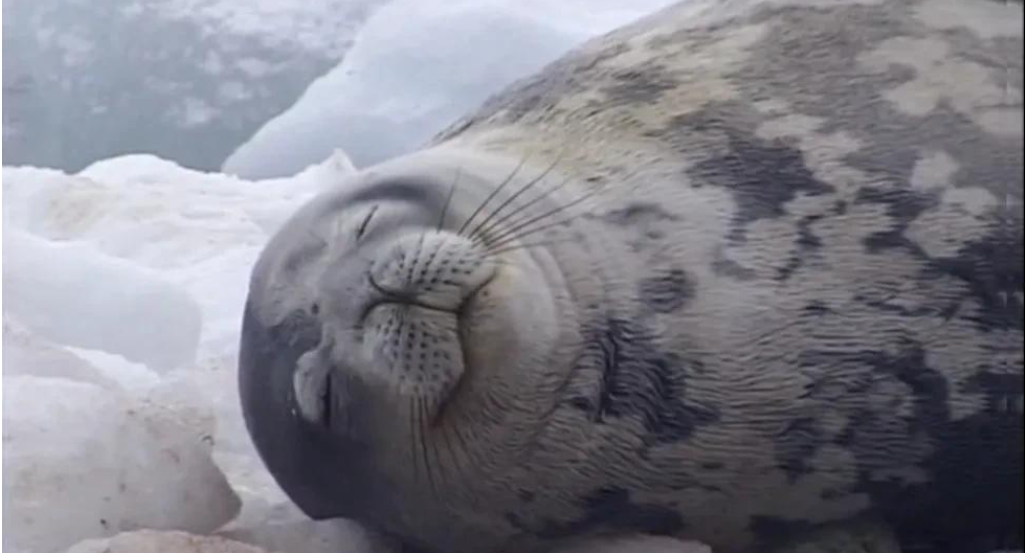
{"x":81,"y":460}
{"x":136,"y":250}
{"x":416,"y":67}
{"x":184,"y":79}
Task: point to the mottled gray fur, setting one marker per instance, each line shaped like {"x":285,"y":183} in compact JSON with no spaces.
{"x":796,"y":298}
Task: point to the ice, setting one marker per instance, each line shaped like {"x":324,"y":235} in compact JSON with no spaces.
{"x":126,"y":220}
{"x":71,"y":294}
{"x":416,"y":67}
{"x":149,"y":541}
{"x":185,"y":79}
{"x":81,"y":461}
{"x":199,"y":231}
{"x":26,"y":353}
{"x":280,"y":526}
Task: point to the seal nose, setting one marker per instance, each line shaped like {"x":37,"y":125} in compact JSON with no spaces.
{"x":436,"y":270}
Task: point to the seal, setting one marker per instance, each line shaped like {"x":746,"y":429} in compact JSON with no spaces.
{"x":736,"y":272}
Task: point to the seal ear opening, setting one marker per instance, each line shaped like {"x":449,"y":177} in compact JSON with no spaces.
{"x":315,"y":467}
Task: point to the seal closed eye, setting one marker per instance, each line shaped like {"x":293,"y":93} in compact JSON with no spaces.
{"x":744,"y":272}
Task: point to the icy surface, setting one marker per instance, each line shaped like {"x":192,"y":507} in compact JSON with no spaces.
{"x":82,"y":461}
{"x":122,"y":226}
{"x":416,"y":67}
{"x":149,"y":541}
{"x":26,"y":353}
{"x":72,"y":294}
{"x":185,"y":79}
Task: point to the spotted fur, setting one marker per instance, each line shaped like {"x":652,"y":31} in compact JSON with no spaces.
{"x":798,"y":300}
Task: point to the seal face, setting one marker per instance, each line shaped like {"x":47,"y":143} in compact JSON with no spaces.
{"x":732,"y":273}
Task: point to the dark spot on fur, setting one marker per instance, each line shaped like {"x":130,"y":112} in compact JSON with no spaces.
{"x":829,"y":494}
{"x":796,"y":444}
{"x":770,"y":531}
{"x":993,"y":267}
{"x":804,"y":245}
{"x":1003,"y":391}
{"x":817,"y":307}
{"x":667,"y":292}
{"x":636,"y":380}
{"x":640,"y":85}
{"x":525,"y":495}
{"x":713,"y":465}
{"x":974,"y":466}
{"x":637,"y":212}
{"x":725,"y":266}
{"x":644,"y":219}
{"x":903,"y":206}
{"x":611,"y":509}
{"x":763,"y":175}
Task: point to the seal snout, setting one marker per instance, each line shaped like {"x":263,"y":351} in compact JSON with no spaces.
{"x":433,"y":270}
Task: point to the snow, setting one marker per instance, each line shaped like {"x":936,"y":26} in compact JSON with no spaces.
{"x":149,"y":541}
{"x":82,"y":461}
{"x":72,"y":294}
{"x":416,"y":67}
{"x":125,"y":286}
{"x":89,"y":80}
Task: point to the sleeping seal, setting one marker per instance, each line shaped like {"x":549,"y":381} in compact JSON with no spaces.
{"x":732,"y":273}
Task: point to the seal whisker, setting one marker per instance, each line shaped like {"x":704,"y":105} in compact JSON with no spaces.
{"x":421,"y":417}
{"x":448,"y":199}
{"x":433,"y":445}
{"x":523,"y":189}
{"x":413,"y":439}
{"x":443,"y":432}
{"x":519,"y":209}
{"x":493,"y":193}
{"x":513,"y":233}
{"x":527,"y":246}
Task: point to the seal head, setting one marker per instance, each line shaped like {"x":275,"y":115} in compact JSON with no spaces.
{"x":373,"y":315}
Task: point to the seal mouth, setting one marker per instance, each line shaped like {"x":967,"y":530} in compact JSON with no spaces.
{"x":394,"y":297}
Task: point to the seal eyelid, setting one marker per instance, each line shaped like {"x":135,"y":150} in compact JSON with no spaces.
{"x":363,"y":226}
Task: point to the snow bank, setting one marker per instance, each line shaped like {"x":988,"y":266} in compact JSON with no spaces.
{"x":81,"y":461}
{"x":199,"y":231}
{"x":416,"y":67}
{"x":132,"y":446}
{"x":72,"y":294}
{"x":25,"y":353}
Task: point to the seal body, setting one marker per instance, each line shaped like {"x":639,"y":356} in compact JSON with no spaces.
{"x":794,"y":299}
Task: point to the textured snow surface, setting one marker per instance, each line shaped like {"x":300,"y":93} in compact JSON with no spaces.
{"x":124,"y":286}
{"x":81,"y":461}
{"x":150,"y":541}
